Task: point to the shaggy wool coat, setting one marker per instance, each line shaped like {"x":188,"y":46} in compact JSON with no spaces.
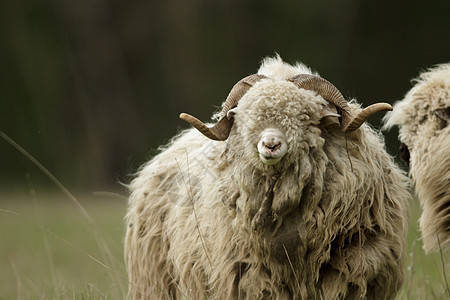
{"x":339,"y":208}
{"x":423,"y":117}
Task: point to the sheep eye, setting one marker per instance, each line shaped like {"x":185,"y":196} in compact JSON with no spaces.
{"x":404,"y":153}
{"x":443,"y":116}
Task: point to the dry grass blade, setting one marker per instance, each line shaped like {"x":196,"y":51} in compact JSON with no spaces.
{"x":348,"y":153}
{"x":191,"y":196}
{"x":411,"y":270}
{"x":443,"y":265}
{"x":61,"y":239}
{"x":106,"y":252}
{"x":19,"y":285}
{"x":44,"y":236}
{"x":292,"y":267}
{"x":360,"y":251}
{"x":96,"y":260}
{"x":178,"y":287}
{"x":48,"y":174}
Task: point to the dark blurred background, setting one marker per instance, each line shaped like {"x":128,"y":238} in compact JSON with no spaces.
{"x":91,"y":88}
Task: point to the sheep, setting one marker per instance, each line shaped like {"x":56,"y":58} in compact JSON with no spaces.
{"x":423,"y":117}
{"x":288,"y":196}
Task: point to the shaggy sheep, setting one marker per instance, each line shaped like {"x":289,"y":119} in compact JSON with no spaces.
{"x":294,"y":201}
{"x":423,"y":117}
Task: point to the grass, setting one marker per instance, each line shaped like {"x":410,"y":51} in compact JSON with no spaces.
{"x":425,"y":272}
{"x":58,"y":246}
{"x":49,"y":251}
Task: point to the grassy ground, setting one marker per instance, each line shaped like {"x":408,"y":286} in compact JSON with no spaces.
{"x":425,"y":272}
{"x":49,"y":250}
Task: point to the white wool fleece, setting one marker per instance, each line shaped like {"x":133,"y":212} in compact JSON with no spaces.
{"x":190,"y":230}
{"x":427,"y":136}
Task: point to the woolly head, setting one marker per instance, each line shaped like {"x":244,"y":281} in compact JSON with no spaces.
{"x":424,"y":112}
{"x":423,"y":117}
{"x":274,"y":109}
{"x":275,"y":123}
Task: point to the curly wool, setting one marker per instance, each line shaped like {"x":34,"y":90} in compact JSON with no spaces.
{"x":336,"y":233}
{"x":428,"y":140}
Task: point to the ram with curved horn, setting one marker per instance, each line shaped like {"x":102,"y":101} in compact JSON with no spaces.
{"x":221,"y":129}
{"x":290,"y":195}
{"x":328,"y":91}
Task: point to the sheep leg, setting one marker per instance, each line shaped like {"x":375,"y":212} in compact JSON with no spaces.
{"x":264,"y":216}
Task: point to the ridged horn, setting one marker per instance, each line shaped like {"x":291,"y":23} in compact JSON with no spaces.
{"x":221,"y":130}
{"x":330,"y":93}
{"x":363,"y":115}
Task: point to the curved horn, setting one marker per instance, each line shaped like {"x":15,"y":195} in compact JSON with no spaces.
{"x":363,"y":115}
{"x":330,"y":93}
{"x":218,"y":132}
{"x":221,"y":130}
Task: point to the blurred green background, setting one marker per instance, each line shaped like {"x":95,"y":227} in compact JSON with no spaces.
{"x":91,"y":88}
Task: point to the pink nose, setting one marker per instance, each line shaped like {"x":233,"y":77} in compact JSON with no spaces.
{"x":272,"y":146}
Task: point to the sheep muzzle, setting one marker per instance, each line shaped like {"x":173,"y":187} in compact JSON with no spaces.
{"x":272,"y":146}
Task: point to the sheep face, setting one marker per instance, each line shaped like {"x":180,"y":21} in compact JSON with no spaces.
{"x":423,"y":117}
{"x":276,"y":124}
{"x":273,"y":201}
{"x":272,"y":146}
{"x":425,"y":110}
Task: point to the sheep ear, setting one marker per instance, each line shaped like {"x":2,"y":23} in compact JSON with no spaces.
{"x":231,"y":113}
{"x":329,"y":117}
{"x":443,"y":113}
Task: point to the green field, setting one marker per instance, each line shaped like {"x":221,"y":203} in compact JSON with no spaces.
{"x":49,"y":250}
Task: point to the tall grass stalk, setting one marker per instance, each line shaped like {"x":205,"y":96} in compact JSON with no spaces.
{"x":411,"y":270}
{"x":104,"y":249}
{"x":425,"y":279}
{"x":443,"y":265}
